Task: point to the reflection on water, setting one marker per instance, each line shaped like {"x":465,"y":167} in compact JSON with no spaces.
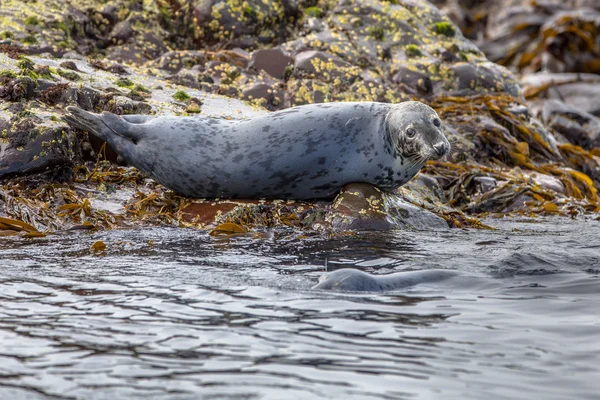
{"x":176,"y":314}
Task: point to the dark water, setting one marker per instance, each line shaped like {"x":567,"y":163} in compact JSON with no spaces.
{"x":176,"y":314}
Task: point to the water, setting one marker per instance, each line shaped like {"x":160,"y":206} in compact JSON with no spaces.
{"x":177,"y":314}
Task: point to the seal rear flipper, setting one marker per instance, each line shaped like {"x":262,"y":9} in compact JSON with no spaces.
{"x":86,"y":121}
{"x":124,"y":145}
{"x":105,"y":126}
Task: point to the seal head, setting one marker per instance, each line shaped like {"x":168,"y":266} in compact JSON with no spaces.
{"x":416,"y":133}
{"x":353,"y":280}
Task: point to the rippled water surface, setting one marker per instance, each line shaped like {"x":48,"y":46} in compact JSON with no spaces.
{"x":177,"y":314}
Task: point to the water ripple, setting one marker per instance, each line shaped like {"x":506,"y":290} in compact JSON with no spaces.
{"x":175,"y":314}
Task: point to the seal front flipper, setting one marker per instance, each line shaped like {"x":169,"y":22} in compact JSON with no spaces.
{"x":107,"y":126}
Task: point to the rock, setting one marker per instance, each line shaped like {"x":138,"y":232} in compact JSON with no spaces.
{"x":361,"y":206}
{"x":110,"y":12}
{"x":122,"y":105}
{"x":581,"y":91}
{"x":314,"y":25}
{"x":152,"y":45}
{"x":313,"y":62}
{"x":254,"y":24}
{"x":577,"y":126}
{"x":485,"y":184}
{"x":69,"y":65}
{"x":272,"y":94}
{"x":548,"y":182}
{"x":405,"y":215}
{"x":122,"y":32}
{"x":186,"y":77}
{"x":273,"y":61}
{"x":51,"y":151}
{"x":207,"y":213}
{"x":127,"y":54}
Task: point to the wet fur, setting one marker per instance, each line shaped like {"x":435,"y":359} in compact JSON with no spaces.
{"x":353,"y":280}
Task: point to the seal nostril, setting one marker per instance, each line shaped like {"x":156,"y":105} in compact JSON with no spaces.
{"x":440,"y":148}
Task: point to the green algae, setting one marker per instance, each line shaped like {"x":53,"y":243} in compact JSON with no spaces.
{"x":7,"y":73}
{"x":314,"y":12}
{"x":180,"y":95}
{"x":32,"y":20}
{"x":30,"y":39}
{"x":26,"y":66}
{"x":70,"y":75}
{"x":376,"y":32}
{"x":412,"y":50}
{"x":444,"y":28}
{"x":124,"y":83}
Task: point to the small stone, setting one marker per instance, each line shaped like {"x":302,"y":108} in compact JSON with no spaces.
{"x":272,"y":61}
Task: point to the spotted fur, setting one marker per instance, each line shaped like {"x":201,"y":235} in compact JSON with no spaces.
{"x":305,"y":152}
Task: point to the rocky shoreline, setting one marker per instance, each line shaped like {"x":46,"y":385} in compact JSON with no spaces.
{"x":525,"y":140}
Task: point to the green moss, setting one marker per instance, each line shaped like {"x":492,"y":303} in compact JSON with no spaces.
{"x":248,"y":12}
{"x":7,"y":73}
{"x":30,"y":40}
{"x":6,"y":35}
{"x":70,"y":75}
{"x":376,"y":32}
{"x":138,"y":92}
{"x":315,"y":12}
{"x":180,"y":95}
{"x":125,"y":83}
{"x":44,"y":72}
{"x":34,"y":133}
{"x":25,"y":114}
{"x":391,"y":1}
{"x":164,"y":12}
{"x":54,"y":118}
{"x":444,"y":28}
{"x":32,"y":20}
{"x":140,"y":88}
{"x":412,"y":50}
{"x":63,"y":27}
{"x":26,"y":65}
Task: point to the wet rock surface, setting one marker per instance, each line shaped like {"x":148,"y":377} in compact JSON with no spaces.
{"x":529,"y":148}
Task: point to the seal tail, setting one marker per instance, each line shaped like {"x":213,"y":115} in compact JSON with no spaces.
{"x":107,"y":126}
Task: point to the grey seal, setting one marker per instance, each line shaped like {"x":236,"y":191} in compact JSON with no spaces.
{"x":353,"y":280}
{"x":304,"y":152}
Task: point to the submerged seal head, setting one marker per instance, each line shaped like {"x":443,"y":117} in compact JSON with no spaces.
{"x":353,"y":280}
{"x":416,"y":132}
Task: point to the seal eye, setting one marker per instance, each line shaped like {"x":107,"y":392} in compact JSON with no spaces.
{"x":411,"y":133}
{"x":437,"y":122}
